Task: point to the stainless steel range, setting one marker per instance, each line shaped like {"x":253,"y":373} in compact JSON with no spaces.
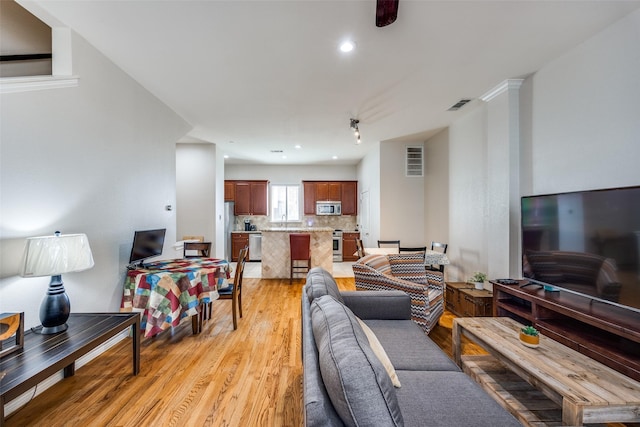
{"x":337,"y":245}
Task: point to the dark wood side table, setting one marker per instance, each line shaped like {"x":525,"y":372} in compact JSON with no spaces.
{"x":463,"y":300}
{"x":44,"y":355}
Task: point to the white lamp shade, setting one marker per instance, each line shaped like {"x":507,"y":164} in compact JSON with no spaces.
{"x":53,"y":255}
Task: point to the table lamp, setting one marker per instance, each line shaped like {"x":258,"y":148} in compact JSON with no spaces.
{"x":53,"y":256}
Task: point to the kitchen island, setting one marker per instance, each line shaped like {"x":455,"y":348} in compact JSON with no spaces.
{"x":275,"y":250}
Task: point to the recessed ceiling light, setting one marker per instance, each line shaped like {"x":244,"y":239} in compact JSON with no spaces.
{"x":298,"y":146}
{"x":335,"y":157}
{"x":284,"y":157}
{"x":347,"y":46}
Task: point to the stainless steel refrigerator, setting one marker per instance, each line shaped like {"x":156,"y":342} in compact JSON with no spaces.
{"x":229,"y":226}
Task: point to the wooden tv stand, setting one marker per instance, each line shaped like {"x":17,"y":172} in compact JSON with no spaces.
{"x":602,"y":331}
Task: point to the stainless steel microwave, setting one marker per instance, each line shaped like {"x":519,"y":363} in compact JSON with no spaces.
{"x":328,"y":208}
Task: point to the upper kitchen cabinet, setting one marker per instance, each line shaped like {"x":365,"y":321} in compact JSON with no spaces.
{"x":229,"y":191}
{"x":334,"y":191}
{"x":250,"y":197}
{"x":309,"y":189}
{"x":328,"y":191}
{"x":349,"y":197}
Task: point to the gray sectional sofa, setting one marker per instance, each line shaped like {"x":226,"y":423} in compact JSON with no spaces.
{"x":346,"y":384}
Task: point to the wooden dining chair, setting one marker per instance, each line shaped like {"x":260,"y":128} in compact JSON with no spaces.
{"x":234,"y":291}
{"x":439,"y":247}
{"x":389,"y":243}
{"x":201,"y":249}
{"x":422,"y":250}
{"x":360,"y":248}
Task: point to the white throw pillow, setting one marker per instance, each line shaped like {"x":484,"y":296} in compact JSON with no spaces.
{"x":380,"y":353}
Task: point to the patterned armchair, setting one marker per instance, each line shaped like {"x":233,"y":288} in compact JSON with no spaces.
{"x":404,"y":272}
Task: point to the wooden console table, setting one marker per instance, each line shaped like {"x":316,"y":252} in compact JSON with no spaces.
{"x":587,"y":391}
{"x":44,"y":355}
{"x":607,"y":333}
{"x":463,"y":300}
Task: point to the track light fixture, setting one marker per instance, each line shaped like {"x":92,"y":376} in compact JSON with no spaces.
{"x":356,"y":131}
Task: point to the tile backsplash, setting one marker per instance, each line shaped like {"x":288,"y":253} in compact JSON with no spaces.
{"x":346,"y":223}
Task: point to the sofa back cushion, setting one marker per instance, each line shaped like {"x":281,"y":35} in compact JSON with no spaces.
{"x":318,"y":409}
{"x":357,"y":383}
{"x":409,"y":267}
{"x":319,"y":283}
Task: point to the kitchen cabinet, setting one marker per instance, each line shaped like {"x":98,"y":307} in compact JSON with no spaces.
{"x":328,"y":191}
{"x":229,"y":191}
{"x":322,"y":191}
{"x":250,"y":197}
{"x":309,"y":189}
{"x":238,"y":241}
{"x":349,"y":197}
{"x":349,"y":247}
{"x":465,"y":301}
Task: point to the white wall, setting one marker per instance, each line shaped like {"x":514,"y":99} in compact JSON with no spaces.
{"x":402,"y":197}
{"x":369,"y":184}
{"x":97,"y":159}
{"x":586,"y":114}
{"x":580,"y":130}
{"x":436,"y":188}
{"x":196,"y":191}
{"x":283,"y":174}
{"x":467,"y":195}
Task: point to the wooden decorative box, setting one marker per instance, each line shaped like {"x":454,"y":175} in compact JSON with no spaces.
{"x":11,"y":325}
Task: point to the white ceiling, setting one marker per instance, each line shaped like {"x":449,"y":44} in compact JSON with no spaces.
{"x":268,"y":74}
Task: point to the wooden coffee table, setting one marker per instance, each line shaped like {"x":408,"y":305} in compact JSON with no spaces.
{"x":587,"y":391}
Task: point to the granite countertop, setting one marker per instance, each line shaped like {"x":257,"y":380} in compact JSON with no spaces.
{"x":242,"y":231}
{"x":298,"y":229}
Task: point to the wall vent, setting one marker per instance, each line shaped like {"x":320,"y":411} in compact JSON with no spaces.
{"x":414,"y":164}
{"x":458,"y":105}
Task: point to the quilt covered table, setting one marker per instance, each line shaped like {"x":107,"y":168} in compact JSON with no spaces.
{"x":167,"y":291}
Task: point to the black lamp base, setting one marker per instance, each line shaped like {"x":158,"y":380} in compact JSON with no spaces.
{"x":44,"y":330}
{"x":55,"y":308}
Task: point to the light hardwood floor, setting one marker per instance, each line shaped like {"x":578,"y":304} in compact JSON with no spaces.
{"x":221,"y":377}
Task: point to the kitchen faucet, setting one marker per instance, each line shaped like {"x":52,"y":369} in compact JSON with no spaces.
{"x":284,"y":221}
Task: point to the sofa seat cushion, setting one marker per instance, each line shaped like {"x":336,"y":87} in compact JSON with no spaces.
{"x":319,"y":283}
{"x":356,"y":382}
{"x":446,"y":399}
{"x":409,"y":348}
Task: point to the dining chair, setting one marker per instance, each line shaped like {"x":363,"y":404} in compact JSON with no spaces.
{"x":439,"y":247}
{"x":234,"y":291}
{"x":360,"y":248}
{"x":300,"y":250}
{"x":421,"y":249}
{"x":389,"y":243}
{"x":201,"y":249}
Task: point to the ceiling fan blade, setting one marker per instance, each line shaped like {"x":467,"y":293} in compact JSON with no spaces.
{"x":386,"y":12}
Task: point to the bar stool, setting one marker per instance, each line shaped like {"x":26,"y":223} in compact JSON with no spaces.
{"x":300,"y":249}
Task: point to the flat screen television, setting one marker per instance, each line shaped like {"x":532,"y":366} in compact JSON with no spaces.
{"x":147,"y":244}
{"x":586,"y":242}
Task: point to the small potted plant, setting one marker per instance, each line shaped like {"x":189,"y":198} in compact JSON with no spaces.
{"x":478,"y":279}
{"x":529,"y":336}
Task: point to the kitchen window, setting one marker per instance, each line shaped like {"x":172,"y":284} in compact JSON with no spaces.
{"x":285,"y":203}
